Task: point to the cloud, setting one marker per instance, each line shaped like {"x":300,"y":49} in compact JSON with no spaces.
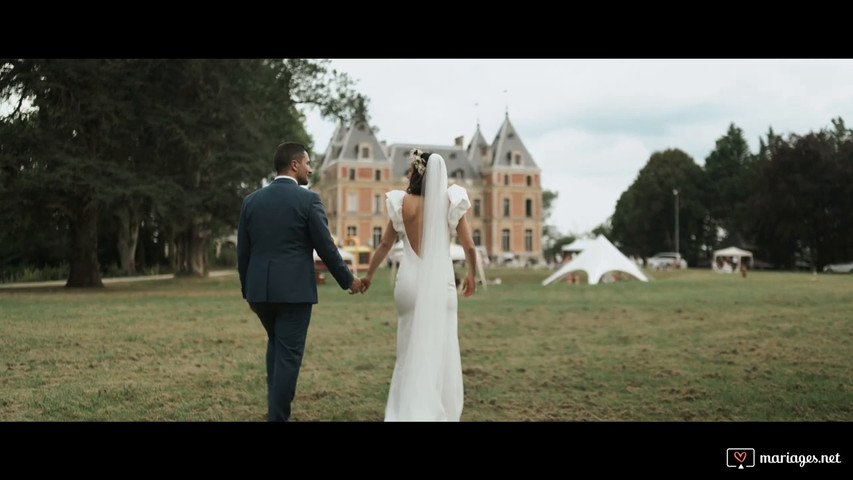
{"x":592,"y":124}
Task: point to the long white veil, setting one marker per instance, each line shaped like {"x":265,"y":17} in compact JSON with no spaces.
{"x":421,"y":385}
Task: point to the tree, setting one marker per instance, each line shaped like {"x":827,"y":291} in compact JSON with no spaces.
{"x":556,"y":248}
{"x":605,"y":229}
{"x":644,"y":220}
{"x":801,"y":205}
{"x":549,"y":232}
{"x":32,"y":225}
{"x":729,"y":174}
{"x":177,"y":143}
{"x":80,"y":120}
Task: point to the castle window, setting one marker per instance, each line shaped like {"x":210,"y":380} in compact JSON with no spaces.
{"x":528,"y":207}
{"x":351,"y":231}
{"x":529,"y":180}
{"x":506,"y":207}
{"x":528,"y":240}
{"x":476,"y":207}
{"x":505,"y":239}
{"x":352,"y":174}
{"x":518,"y":159}
{"x":377,"y":236}
{"x":506,"y":179}
{"x":377,"y":203}
{"x":352,"y":202}
{"x":476,"y":236}
{"x":378,"y":175}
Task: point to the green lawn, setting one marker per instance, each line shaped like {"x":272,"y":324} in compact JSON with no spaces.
{"x":687,"y":346}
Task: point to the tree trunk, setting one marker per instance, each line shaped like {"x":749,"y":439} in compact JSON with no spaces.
{"x":190,"y":252}
{"x":85,"y":271}
{"x":128,"y":237}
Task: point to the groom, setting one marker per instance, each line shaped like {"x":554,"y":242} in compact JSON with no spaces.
{"x":280,"y":226}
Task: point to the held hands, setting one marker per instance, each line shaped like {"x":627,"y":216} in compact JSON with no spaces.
{"x":365,"y":283}
{"x":360,"y":285}
{"x":356,"y":286}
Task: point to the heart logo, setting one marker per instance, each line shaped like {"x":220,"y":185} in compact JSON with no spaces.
{"x":740,"y":456}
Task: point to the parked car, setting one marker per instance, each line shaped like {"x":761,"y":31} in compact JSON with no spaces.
{"x":846,"y":267}
{"x":664,"y":260}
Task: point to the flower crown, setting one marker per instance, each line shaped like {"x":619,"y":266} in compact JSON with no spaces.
{"x":418,"y":162}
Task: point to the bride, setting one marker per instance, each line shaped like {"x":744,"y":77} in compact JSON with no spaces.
{"x":427,"y":381}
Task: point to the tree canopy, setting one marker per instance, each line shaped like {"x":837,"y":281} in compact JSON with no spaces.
{"x":169,"y":145}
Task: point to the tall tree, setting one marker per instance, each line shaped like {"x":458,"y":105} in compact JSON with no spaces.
{"x":729,"y":174}
{"x":645,"y":216}
{"x":801,"y":204}
{"x":33,"y":231}
{"x":80,"y":117}
{"x":176,"y":142}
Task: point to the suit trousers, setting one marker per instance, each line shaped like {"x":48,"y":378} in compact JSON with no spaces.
{"x":287,"y":327}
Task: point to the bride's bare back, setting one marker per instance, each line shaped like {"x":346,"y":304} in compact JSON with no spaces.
{"x":413,"y":220}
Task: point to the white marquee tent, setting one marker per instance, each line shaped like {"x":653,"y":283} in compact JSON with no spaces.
{"x":346,"y":256}
{"x":737,"y":254}
{"x":596,"y":259}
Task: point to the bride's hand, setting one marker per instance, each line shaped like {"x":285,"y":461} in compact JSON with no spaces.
{"x":356,"y":286}
{"x":469,"y":286}
{"x":365,"y":284}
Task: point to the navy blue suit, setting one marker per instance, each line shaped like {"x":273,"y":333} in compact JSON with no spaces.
{"x":280,"y":226}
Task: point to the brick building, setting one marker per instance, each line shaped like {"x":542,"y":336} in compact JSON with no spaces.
{"x":501,"y":177}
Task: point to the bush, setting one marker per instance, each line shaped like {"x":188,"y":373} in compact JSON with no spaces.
{"x":27,"y":273}
{"x":227,"y":258}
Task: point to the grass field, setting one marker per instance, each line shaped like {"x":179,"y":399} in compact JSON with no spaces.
{"x":688,"y":346}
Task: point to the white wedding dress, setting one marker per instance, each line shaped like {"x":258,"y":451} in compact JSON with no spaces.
{"x":427,"y":381}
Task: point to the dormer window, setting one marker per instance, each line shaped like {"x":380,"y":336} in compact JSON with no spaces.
{"x":364,"y":149}
{"x":517,"y":158}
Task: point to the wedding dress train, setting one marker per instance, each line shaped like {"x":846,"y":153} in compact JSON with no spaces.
{"x":426,"y":384}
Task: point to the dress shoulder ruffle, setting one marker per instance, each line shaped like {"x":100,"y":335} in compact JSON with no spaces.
{"x":394,"y":204}
{"x":459,"y":204}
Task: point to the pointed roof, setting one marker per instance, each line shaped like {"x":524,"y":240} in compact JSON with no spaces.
{"x":475,"y":149}
{"x":506,"y":142}
{"x":334,"y":147}
{"x":345,"y":143}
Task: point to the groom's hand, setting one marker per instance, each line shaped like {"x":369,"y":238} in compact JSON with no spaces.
{"x":356,"y":286}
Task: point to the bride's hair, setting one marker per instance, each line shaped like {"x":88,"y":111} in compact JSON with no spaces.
{"x":418,"y":167}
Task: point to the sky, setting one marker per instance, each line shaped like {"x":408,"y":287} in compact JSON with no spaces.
{"x":592,"y":124}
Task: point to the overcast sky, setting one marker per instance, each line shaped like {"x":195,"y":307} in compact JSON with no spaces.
{"x":592,"y":124}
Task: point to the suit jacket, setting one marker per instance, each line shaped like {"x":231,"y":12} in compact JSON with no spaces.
{"x":280,"y":226}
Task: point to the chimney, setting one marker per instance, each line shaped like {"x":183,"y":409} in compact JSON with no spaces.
{"x":459,"y":141}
